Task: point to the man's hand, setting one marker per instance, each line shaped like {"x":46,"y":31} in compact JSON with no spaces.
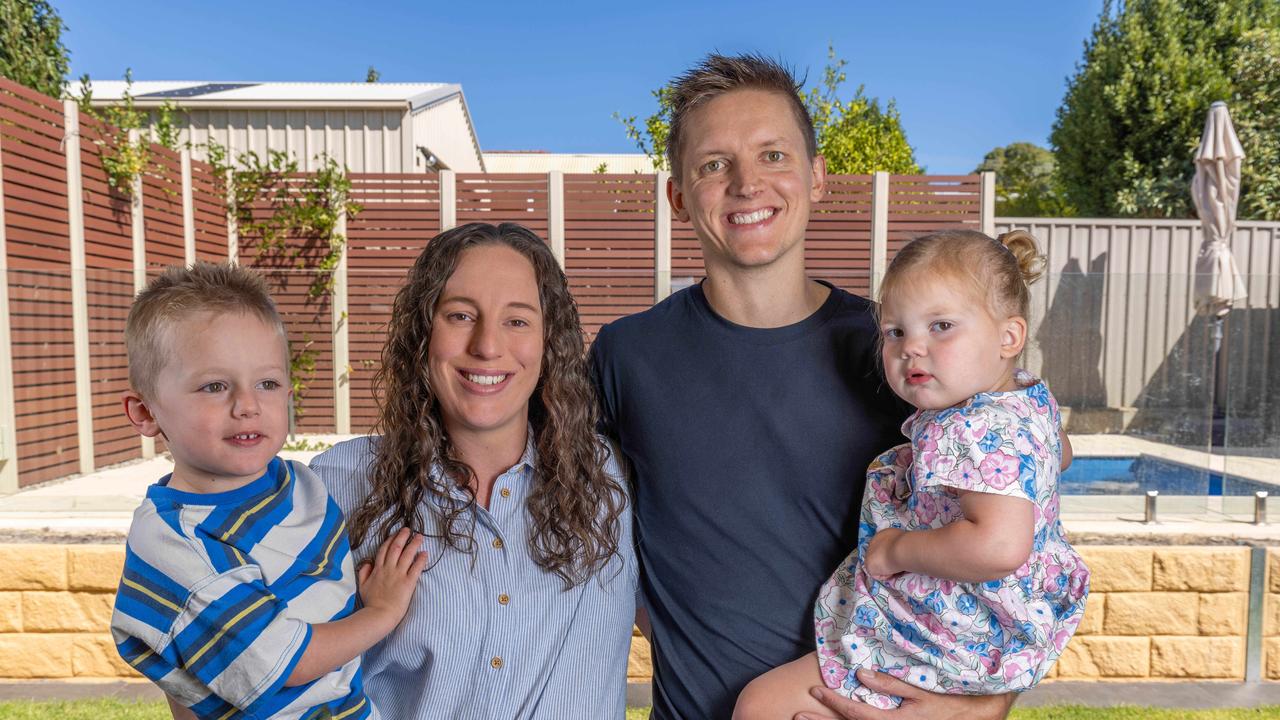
{"x":879,"y":561}
{"x":916,"y":703}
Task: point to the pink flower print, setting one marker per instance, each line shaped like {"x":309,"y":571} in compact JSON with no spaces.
{"x":1016,"y":406}
{"x":1022,"y":442}
{"x":929,"y":436}
{"x":967,"y":429}
{"x":836,"y":600}
{"x":927,"y":509}
{"x":1060,"y":639}
{"x":990,"y":661}
{"x":833,"y":673}
{"x":999,"y":469}
{"x":922,"y":676}
{"x":966,"y":475}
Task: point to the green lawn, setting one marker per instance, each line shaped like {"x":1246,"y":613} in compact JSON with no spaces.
{"x":117,"y":710}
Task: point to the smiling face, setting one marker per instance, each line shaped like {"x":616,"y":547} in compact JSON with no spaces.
{"x":485,"y":353}
{"x":746,"y":181}
{"x":941,"y":345}
{"x":221,"y":400}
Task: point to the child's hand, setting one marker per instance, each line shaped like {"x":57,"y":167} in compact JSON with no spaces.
{"x":879,"y":558}
{"x":387,"y":583}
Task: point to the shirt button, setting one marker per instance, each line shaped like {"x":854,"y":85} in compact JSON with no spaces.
{"x":496,"y":662}
{"x":503,"y":599}
{"x":505,"y":492}
{"x":497,"y":543}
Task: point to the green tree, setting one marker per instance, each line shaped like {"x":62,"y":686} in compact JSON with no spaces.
{"x":1255,"y":112}
{"x":1025,"y":185}
{"x":856,"y":136}
{"x":31,"y":49}
{"x":1135,"y":108}
{"x":372,"y":75}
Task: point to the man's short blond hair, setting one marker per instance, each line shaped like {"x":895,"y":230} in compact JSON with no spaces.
{"x":179,"y":293}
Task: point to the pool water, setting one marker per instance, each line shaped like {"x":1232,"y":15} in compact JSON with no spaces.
{"x":1137,"y":475}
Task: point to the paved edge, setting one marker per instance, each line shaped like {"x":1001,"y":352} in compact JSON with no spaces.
{"x":1170,"y":694}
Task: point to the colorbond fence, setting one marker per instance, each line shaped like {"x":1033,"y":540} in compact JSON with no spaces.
{"x":1116,"y":329}
{"x":73,"y":251}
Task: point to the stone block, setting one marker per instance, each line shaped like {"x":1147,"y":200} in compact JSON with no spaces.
{"x":66,"y":612}
{"x":1271,"y":658}
{"x":1203,"y":569}
{"x":95,"y":656}
{"x":1117,"y":568}
{"x":10,"y":612}
{"x":33,"y":567}
{"x":1271,"y":614}
{"x":95,"y":567}
{"x":1152,"y":614}
{"x":1094,"y":611}
{"x":1198,"y":657}
{"x":1273,"y":570}
{"x":26,"y":657}
{"x":640,"y":661}
{"x":1224,"y":613}
{"x":1095,"y":657}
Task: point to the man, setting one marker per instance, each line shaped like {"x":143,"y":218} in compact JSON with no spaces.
{"x":749,"y":406}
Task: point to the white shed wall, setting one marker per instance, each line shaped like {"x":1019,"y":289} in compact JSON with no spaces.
{"x":365,"y":140}
{"x":445,"y":130}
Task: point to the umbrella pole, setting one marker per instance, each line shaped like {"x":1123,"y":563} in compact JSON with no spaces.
{"x":1218,"y":414}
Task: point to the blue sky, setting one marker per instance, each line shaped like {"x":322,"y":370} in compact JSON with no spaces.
{"x":966,"y":77}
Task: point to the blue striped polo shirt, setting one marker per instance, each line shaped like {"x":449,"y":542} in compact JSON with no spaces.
{"x":491,"y":634}
{"x":220,"y":590}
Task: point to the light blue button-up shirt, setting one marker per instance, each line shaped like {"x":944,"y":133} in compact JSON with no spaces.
{"x":491,"y":634}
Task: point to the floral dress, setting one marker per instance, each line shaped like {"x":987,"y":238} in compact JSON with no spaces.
{"x":954,"y":637}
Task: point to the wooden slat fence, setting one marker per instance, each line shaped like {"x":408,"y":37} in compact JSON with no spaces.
{"x":609,"y":245}
{"x":608,"y":228}
{"x":400,"y":214}
{"x":39,"y":255}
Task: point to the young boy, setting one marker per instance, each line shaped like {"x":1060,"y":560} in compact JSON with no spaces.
{"x":238,"y":594}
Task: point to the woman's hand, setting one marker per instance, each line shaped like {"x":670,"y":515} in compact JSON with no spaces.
{"x":916,"y":703}
{"x":386,"y":584}
{"x":879,"y":560}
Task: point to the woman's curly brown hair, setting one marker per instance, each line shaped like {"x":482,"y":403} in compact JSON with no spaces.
{"x":575,"y":504}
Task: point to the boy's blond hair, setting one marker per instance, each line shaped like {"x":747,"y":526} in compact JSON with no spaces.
{"x":179,"y":293}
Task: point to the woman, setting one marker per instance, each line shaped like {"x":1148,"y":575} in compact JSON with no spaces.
{"x":488,"y":447}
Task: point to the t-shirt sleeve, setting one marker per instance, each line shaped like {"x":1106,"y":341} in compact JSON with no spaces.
{"x":234,"y":636}
{"x":975,"y":448}
{"x":597,"y":364}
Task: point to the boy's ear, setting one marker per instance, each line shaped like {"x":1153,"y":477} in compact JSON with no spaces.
{"x":676,"y":197}
{"x":135,"y":408}
{"x":1013,"y":337}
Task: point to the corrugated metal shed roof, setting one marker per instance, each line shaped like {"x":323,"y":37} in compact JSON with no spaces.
{"x":192,"y":93}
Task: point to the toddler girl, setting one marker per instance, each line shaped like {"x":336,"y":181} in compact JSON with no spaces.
{"x":963,"y":580}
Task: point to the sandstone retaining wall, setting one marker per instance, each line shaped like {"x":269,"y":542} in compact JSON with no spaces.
{"x":1162,"y":613}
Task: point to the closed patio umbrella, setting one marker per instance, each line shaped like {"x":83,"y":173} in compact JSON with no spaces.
{"x":1215,"y":191}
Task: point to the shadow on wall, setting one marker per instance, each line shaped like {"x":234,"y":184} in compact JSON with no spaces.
{"x":1070,"y":337}
{"x":1176,"y":405}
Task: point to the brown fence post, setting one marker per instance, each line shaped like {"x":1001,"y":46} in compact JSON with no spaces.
{"x":987,"y":198}
{"x":79,"y":290}
{"x":555,"y":214}
{"x":138,"y":228}
{"x":339,"y":303}
{"x":233,"y":231}
{"x":188,"y":210}
{"x":661,"y":237}
{"x":8,"y":410}
{"x":448,"y":200}
{"x":879,"y":229}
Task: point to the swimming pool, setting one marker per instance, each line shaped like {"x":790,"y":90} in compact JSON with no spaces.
{"x":1135,"y":475}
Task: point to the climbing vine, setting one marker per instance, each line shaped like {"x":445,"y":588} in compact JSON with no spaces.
{"x":271,"y":203}
{"x":124,"y":159}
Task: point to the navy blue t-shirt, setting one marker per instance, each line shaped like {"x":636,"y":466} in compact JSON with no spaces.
{"x":750,"y":448}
